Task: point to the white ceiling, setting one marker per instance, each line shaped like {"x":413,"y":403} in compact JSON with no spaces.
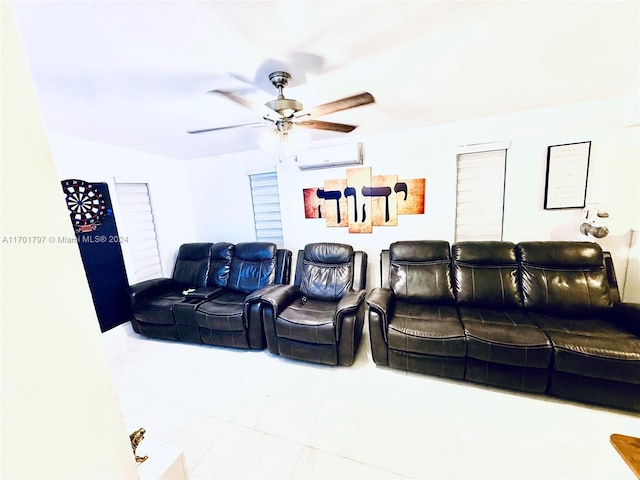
{"x":135,"y":74}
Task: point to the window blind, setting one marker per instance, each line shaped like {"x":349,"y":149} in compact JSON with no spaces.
{"x":266,"y":207}
{"x":140,"y":230}
{"x":480,"y":195}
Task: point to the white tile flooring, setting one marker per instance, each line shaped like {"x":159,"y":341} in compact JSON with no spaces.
{"x":254,"y":415}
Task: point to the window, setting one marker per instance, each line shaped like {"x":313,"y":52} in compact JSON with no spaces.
{"x":140,"y":230}
{"x":480,"y":194}
{"x":266,"y":207}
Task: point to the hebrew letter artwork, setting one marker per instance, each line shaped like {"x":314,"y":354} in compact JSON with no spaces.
{"x":383,"y":204}
{"x":410,"y":196}
{"x":362,"y":201}
{"x":401,"y":187}
{"x":357,"y":179}
{"x":351,"y":192}
{"x":335,"y":204}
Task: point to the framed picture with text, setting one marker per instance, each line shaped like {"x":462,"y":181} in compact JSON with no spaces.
{"x":567,"y":172}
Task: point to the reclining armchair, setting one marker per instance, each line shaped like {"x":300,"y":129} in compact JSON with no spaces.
{"x":153,"y":300}
{"x":413,"y":321}
{"x":320,"y":317}
{"x":231,"y":316}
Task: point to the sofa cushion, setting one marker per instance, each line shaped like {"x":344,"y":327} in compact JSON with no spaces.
{"x":524,"y":346}
{"x":310,"y":320}
{"x":327,"y":271}
{"x":426,"y":329}
{"x":252,"y":266}
{"x":486,"y":274}
{"x":223,"y":312}
{"x":565,"y":278}
{"x":420,"y":271}
{"x":610,"y":358}
{"x":591,"y":326}
{"x":512,"y":318}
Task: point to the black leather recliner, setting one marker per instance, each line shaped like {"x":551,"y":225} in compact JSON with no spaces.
{"x":596,"y":338}
{"x":505,"y":348}
{"x":413,"y":321}
{"x":153,"y":300}
{"x":320,"y":317}
{"x":231,"y":318}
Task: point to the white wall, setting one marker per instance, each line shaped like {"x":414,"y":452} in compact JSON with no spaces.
{"x":168,"y":188}
{"x":60,"y":413}
{"x":431,"y":153}
{"x":208,"y":199}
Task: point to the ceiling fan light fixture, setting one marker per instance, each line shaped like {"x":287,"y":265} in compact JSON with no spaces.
{"x":285,"y":139}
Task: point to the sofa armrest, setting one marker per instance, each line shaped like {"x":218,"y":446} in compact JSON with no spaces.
{"x":279,"y":296}
{"x":251,"y":314}
{"x":627,"y":315}
{"x":272,"y":301}
{"x":149,"y":288}
{"x":258,"y":294}
{"x":350,"y":302}
{"x":382,"y":301}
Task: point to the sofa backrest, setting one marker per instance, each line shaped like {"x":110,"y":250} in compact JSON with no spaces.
{"x":566,"y":278}
{"x":253,"y":266}
{"x":485,"y":274}
{"x":327,"y":271}
{"x":420,"y":271}
{"x":192,"y":265}
{"x":221,"y":255}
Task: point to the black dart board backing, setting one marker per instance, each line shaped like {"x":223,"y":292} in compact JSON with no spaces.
{"x":94,"y":224}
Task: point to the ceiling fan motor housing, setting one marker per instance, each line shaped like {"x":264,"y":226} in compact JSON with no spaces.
{"x":284,"y":106}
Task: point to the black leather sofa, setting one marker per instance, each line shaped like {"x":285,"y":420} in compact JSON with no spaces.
{"x":321,"y":316}
{"x":538,"y":317}
{"x":212,"y":296}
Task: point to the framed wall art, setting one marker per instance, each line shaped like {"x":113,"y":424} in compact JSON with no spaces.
{"x":567,"y":172}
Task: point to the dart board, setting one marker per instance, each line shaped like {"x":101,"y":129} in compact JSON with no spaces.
{"x":86,"y":205}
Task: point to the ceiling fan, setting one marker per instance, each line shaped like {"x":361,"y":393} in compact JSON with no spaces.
{"x":283,"y":113}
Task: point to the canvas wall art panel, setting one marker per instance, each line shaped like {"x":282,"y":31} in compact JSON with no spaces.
{"x":359,"y":206}
{"x":383,"y":200}
{"x":410,"y":195}
{"x":335,"y":203}
{"x":313,"y":205}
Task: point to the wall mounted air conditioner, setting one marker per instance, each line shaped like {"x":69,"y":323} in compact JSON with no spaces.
{"x":331,"y":156}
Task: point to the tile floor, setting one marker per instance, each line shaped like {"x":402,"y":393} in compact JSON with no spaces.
{"x":253,"y":415}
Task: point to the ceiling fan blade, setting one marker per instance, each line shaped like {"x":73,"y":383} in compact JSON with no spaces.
{"x":320,"y":125}
{"x":204,"y":130}
{"x":363,"y":98}
{"x":234,"y":97}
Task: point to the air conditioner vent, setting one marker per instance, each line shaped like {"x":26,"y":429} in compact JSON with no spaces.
{"x":332,"y":156}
